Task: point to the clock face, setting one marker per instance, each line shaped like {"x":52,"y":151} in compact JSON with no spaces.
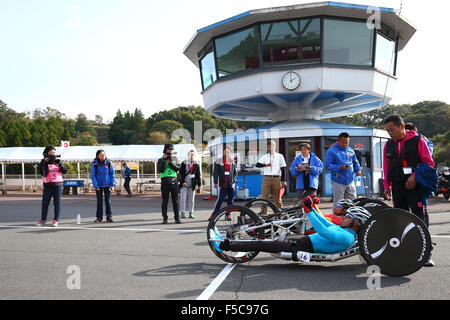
{"x":291,"y":80}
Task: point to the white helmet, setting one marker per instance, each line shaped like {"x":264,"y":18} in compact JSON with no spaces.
{"x":346,"y":203}
{"x":359,"y":214}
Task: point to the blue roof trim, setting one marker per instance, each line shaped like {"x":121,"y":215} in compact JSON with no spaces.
{"x":358,"y":6}
{"x":215,"y":25}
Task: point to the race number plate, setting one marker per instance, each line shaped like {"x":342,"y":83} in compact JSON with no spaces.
{"x":304,"y":256}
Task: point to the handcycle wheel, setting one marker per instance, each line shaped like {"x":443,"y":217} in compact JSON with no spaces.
{"x":396,"y":241}
{"x":234,"y":228}
{"x":367,"y":203}
{"x":259,"y":205}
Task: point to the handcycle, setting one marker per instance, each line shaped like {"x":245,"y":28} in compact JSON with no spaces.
{"x":395,"y":240}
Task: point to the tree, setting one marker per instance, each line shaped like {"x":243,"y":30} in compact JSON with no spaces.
{"x":157,"y":138}
{"x":82,"y":124}
{"x":85,"y":139}
{"x":167,"y":126}
{"x":98,"y":120}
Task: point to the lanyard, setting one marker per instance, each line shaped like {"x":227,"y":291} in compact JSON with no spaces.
{"x":190,"y":167}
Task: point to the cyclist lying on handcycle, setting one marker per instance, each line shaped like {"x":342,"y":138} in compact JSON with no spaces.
{"x":329,"y":237}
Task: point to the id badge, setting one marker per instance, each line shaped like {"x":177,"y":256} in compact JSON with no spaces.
{"x":407,"y":170}
{"x":192,"y":176}
{"x":227,"y":173}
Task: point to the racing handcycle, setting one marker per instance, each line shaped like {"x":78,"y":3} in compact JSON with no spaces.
{"x":395,"y":240}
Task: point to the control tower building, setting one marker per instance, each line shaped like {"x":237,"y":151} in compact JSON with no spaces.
{"x":295,"y":67}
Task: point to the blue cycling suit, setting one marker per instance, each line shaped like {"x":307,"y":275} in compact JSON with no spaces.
{"x":329,"y":238}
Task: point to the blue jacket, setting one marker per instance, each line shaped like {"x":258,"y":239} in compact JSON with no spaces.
{"x":335,"y":158}
{"x":427,"y":178}
{"x":104,"y":176}
{"x":316,"y":169}
{"x":127,"y":172}
{"x":429,"y":143}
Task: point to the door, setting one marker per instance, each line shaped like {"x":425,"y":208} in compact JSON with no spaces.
{"x":293,"y":150}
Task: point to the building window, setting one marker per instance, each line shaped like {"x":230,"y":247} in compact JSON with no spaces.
{"x":385,"y":54}
{"x":208,"y":68}
{"x":291,"y":42}
{"x":347,"y":42}
{"x":237,"y":52}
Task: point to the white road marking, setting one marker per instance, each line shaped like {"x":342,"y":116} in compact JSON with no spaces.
{"x":216,"y":282}
{"x":102,"y":229}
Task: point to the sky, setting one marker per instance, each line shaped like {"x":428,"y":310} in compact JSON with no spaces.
{"x":98,"y":56}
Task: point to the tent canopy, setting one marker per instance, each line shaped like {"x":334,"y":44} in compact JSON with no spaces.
{"x":87,"y":153}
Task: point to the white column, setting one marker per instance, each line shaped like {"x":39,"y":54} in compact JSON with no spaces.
{"x":78,"y":171}
{"x":138,"y":178}
{"x":156,"y":171}
{"x":23,"y":176}
{"x":4,"y":177}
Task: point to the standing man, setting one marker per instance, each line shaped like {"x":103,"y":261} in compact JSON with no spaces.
{"x":306,"y":167}
{"x":190,"y":180}
{"x":127,"y":177}
{"x":225,"y":175}
{"x":342,"y":162}
{"x":169,"y":182}
{"x":402,"y":155}
{"x":274,"y":168}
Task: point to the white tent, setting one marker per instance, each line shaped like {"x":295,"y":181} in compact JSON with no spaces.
{"x":79,"y":154}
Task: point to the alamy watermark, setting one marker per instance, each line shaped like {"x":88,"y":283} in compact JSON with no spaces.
{"x":73,"y":282}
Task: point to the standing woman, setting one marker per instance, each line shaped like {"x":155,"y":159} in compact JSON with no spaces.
{"x":103,"y":180}
{"x":51,"y":169}
{"x":190,"y":181}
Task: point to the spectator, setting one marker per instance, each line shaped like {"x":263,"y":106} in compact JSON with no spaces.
{"x":103,"y":180}
{"x":168,"y":169}
{"x":51,"y":169}
{"x":127,"y":177}
{"x":190,"y":180}
{"x":403,"y":153}
{"x":342,"y":162}
{"x":225,"y":175}
{"x":274,"y":169}
{"x":412,"y":127}
{"x":306,"y":167}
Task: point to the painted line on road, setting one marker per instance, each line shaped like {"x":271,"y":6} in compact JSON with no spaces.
{"x":216,"y":282}
{"x":103,"y":229}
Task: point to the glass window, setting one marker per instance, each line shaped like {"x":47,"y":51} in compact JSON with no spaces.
{"x":359,"y":144}
{"x":237,"y":52}
{"x":385,"y":54}
{"x":377,"y":153}
{"x":291,"y":42}
{"x":347,"y":42}
{"x":208,"y":68}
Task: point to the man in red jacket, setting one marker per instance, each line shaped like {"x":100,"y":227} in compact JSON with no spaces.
{"x":402,"y":154}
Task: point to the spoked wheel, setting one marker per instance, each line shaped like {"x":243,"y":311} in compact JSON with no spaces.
{"x":396,"y":241}
{"x":234,"y":223}
{"x":262,"y":207}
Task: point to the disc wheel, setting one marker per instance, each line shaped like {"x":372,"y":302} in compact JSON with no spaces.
{"x":396,"y":241}
{"x":232,"y":223}
{"x":367,"y":203}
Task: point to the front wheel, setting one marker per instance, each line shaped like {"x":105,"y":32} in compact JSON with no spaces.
{"x":234,"y":223}
{"x":396,"y":241}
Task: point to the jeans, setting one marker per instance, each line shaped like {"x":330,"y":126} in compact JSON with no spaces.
{"x":99,"y":194}
{"x":50,"y":192}
{"x":222,"y":193}
{"x":169,"y":189}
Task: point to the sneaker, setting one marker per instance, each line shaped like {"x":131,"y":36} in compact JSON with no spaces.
{"x":215,"y":235}
{"x":182,"y":215}
{"x":429,"y":263}
{"x":41,"y":223}
{"x":98,"y":220}
{"x":164,"y":222}
{"x":191,"y":215}
{"x":177,"y":221}
{"x":109,"y":220}
{"x":55,"y":223}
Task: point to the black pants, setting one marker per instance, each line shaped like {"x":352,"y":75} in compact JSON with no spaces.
{"x":50,"y":192}
{"x":126,"y":185}
{"x":169,"y":189}
{"x":409,"y":200}
{"x":99,"y":194}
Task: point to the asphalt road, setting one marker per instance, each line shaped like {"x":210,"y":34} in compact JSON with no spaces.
{"x":139,"y":258}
